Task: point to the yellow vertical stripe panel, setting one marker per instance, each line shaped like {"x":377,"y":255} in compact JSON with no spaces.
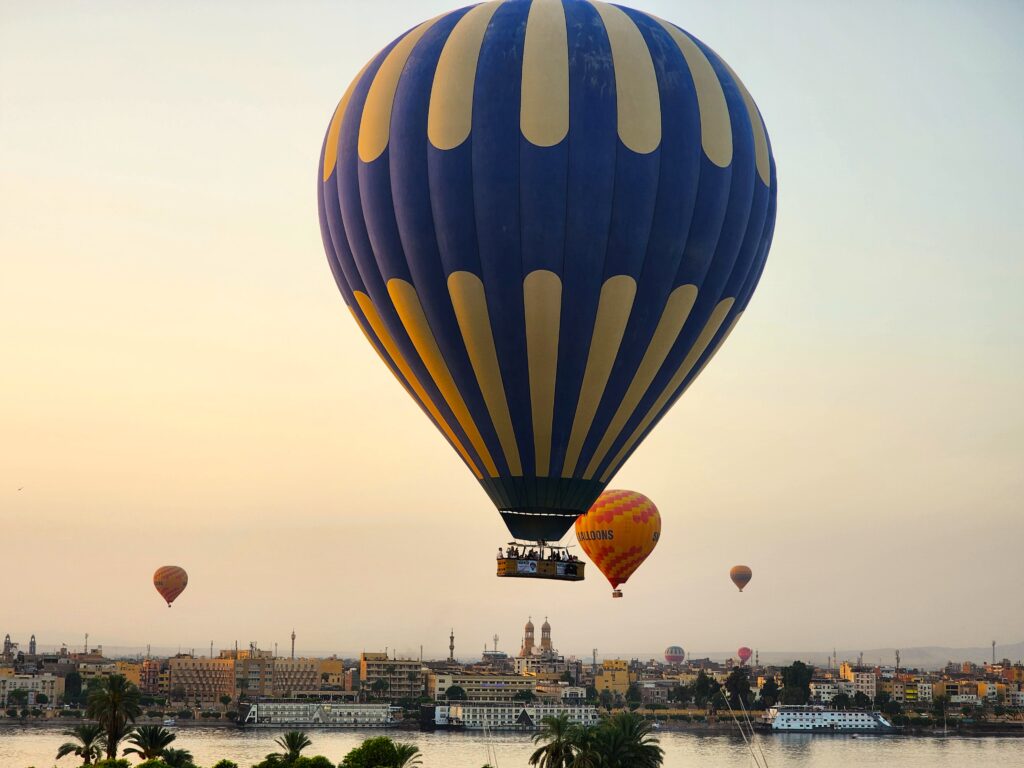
{"x":673,"y":317}
{"x":613,"y":310}
{"x":761,"y":159}
{"x":410,"y":312}
{"x":718,"y":346}
{"x":542,"y":301}
{"x":711,"y":327}
{"x":375,"y":122}
{"x":544,"y":103}
{"x":715,"y":125}
{"x":334,"y":131}
{"x":381,"y":332}
{"x":450,"y":116}
{"x":638,"y":103}
{"x":470,"y":304}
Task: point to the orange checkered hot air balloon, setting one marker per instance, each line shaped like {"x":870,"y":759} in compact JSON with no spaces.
{"x":618,"y":533}
{"x":170,"y":581}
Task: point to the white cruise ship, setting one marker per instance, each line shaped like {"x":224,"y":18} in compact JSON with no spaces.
{"x":813,"y":719}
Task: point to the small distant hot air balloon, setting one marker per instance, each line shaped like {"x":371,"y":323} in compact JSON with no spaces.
{"x":744,"y":653}
{"x":740,"y":575}
{"x":674,"y":655}
{"x":618,"y":533}
{"x":170,"y":581}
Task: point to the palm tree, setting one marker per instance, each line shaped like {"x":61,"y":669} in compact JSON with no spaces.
{"x":177,"y":758}
{"x":633,"y":732}
{"x":408,"y":755}
{"x":292,"y":743}
{"x":88,"y":743}
{"x":114,"y":704}
{"x":149,"y":741}
{"x":558,"y":750}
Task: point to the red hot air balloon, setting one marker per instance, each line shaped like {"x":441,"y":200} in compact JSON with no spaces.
{"x":674,"y":655}
{"x":740,"y":575}
{"x":170,"y":581}
{"x":744,"y":653}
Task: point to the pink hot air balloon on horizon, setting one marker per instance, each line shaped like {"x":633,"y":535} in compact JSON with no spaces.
{"x":744,"y":653}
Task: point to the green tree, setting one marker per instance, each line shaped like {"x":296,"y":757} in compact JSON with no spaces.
{"x":455,"y":693}
{"x":625,"y":740}
{"x":861,"y":700}
{"x":737,"y":686}
{"x":42,"y":698}
{"x":769,"y":692}
{"x":291,"y":744}
{"x":680,"y":694}
{"x":796,"y":683}
{"x":73,"y":688}
{"x":177,"y":758}
{"x":555,"y":738}
{"x":18,"y":697}
{"x":634,"y":694}
{"x":225,"y":700}
{"x":149,"y":741}
{"x":114,"y":705}
{"x":525,"y":696}
{"x":842,"y":701}
{"x":704,"y":687}
{"x":382,"y":752}
{"x":607,"y":699}
{"x":225,"y":764}
{"x":881,"y":699}
{"x":87,"y":744}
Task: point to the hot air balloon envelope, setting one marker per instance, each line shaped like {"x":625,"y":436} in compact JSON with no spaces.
{"x":674,"y":655}
{"x":618,"y":533}
{"x":744,"y":653}
{"x":740,"y":575}
{"x":546,"y":217}
{"x":170,"y":581}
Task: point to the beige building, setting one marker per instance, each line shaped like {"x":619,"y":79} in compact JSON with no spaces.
{"x":481,"y":686}
{"x":131,"y":670}
{"x":405,"y":678}
{"x":293,"y":675}
{"x":202,"y":679}
{"x":48,"y":685}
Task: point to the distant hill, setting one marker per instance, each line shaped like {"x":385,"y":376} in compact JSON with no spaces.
{"x":926,"y":657}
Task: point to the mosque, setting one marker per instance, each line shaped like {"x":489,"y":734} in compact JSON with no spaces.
{"x":530,"y":650}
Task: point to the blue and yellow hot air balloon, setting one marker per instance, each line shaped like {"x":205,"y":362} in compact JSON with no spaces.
{"x":546,"y":217}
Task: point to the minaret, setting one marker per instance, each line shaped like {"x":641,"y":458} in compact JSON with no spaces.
{"x":32,"y":647}
{"x":293,"y":642}
{"x":451,"y":646}
{"x":7,"y":644}
{"x":993,"y":649}
{"x":545,"y":637}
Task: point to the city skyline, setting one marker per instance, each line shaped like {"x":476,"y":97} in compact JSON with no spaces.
{"x":182,"y":384}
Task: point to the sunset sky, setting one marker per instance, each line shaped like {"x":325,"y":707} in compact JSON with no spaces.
{"x":180,"y":381}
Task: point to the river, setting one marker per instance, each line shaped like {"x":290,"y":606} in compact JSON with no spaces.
{"x":35,"y":746}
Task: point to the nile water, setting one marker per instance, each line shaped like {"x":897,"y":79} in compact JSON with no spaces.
{"x":24,"y":747}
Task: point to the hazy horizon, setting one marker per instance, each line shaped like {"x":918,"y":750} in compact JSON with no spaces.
{"x":181,"y":382}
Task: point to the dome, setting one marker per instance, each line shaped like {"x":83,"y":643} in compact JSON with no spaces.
{"x":545,"y":625}
{"x":529,"y":624}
